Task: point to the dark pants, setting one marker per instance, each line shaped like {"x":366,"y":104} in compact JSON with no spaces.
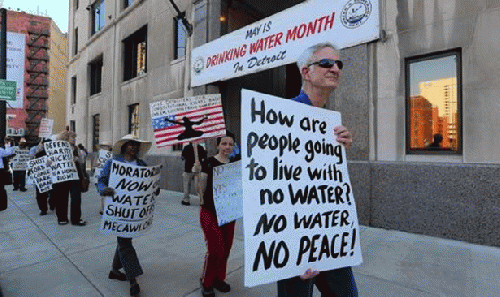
{"x":332,"y":283}
{"x":19,"y":179}
{"x":61,"y":193}
{"x":41,"y":199}
{"x":126,"y":257}
{"x":3,"y":196}
{"x":219,"y":240}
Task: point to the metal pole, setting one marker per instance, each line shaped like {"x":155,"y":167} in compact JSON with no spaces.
{"x":3,"y":71}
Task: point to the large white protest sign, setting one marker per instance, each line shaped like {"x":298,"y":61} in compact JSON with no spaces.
{"x":19,"y":162}
{"x":129,"y":212}
{"x":299,"y":207}
{"x":227,"y":191}
{"x":41,"y":173}
{"x":104,"y":155}
{"x":16,"y":57}
{"x":177,"y":121}
{"x":281,"y":38}
{"x":62,"y":164}
{"x":45,"y":130}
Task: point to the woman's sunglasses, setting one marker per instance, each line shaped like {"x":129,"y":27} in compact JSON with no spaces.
{"x":328,"y":63}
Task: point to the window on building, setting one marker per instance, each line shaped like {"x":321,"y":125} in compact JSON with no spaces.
{"x":135,"y":54}
{"x":76,"y":4}
{"x":75,"y":42}
{"x":96,"y":122}
{"x":72,"y":125}
{"x":127,"y":3}
{"x":95,"y":76}
{"x":73,"y":90}
{"x":433,"y":92}
{"x":133,"y":119}
{"x":179,"y":38}
{"x":98,"y":11}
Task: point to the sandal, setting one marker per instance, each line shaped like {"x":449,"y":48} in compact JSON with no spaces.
{"x":63,"y":222}
{"x":80,"y":223}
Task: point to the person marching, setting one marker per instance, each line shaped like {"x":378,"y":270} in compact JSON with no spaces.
{"x":129,"y":150}
{"x":19,"y":176}
{"x":189,"y":157}
{"x":219,"y":239}
{"x":41,"y":198}
{"x":5,"y":152}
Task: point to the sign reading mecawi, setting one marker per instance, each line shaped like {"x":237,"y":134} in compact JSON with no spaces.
{"x":183,"y":120}
{"x":281,"y":38}
{"x":62,"y":164}
{"x":297,"y":196}
{"x":129,"y":212}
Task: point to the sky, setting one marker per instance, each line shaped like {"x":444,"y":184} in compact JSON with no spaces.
{"x":431,"y":70}
{"x":58,"y":12}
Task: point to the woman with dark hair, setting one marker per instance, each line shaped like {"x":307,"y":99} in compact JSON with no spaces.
{"x":129,"y":150}
{"x":219,"y":239}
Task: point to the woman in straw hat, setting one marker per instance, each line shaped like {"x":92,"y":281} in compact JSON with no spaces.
{"x":129,"y":150}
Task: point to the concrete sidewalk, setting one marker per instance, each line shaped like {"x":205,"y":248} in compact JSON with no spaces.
{"x":40,"y":258}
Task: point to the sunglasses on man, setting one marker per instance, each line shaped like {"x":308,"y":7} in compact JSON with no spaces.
{"x":328,"y":63}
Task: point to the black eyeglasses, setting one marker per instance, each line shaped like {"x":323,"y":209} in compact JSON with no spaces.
{"x":328,"y":63}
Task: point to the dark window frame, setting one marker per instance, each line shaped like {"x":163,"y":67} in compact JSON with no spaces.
{"x":73,"y":89}
{"x":95,"y":75}
{"x":97,"y":8}
{"x":76,"y":4}
{"x":72,"y":125}
{"x":425,"y":57}
{"x":96,"y":125}
{"x":75,"y":42}
{"x":127,"y":3}
{"x":130,"y":53}
{"x":178,"y":23}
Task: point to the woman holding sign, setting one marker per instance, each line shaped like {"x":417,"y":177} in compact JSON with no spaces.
{"x":219,"y":239}
{"x":129,"y":150}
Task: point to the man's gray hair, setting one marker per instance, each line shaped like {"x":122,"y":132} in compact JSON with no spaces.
{"x":306,"y":57}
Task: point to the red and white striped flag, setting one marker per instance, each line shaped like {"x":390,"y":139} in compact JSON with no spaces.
{"x":184,"y":120}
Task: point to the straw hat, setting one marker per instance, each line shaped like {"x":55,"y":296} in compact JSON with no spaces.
{"x":107,"y":143}
{"x":143,"y":149}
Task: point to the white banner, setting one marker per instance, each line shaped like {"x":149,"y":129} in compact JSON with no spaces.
{"x":40,"y":173}
{"x":62,"y":164}
{"x":16,"y":56}
{"x":227,"y":192}
{"x":19,"y":162}
{"x":281,"y":38}
{"x":297,"y":196}
{"x":104,"y":155}
{"x":129,"y":212}
{"x":45,"y":130}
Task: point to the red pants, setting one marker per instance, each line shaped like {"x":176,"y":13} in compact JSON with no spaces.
{"x":219,"y":241}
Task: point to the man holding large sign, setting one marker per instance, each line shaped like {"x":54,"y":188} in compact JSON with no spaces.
{"x":306,"y":217}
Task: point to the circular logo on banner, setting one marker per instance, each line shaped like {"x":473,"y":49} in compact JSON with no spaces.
{"x":355,"y":13}
{"x":198,"y":66}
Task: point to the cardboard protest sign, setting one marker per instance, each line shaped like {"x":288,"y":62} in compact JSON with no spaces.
{"x":227,"y":192}
{"x":297,"y":196}
{"x":281,"y":38}
{"x":19,"y":162}
{"x":129,"y":212}
{"x":45,"y":130}
{"x":40,"y":173}
{"x":104,"y":155}
{"x":62,"y":164}
{"x":184,"y":120}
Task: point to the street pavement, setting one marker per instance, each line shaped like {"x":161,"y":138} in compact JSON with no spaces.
{"x":40,"y":258}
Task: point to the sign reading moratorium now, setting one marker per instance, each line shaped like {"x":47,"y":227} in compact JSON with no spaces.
{"x":297,"y":196}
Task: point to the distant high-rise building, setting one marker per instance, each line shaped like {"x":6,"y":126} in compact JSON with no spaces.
{"x":420,"y":122}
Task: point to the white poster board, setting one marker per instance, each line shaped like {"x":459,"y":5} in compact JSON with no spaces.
{"x":62,"y":164}
{"x":40,"y":173}
{"x":297,"y":196}
{"x":104,"y":155}
{"x":19,"y":162}
{"x":16,"y":57}
{"x":45,"y":130}
{"x":177,"y":121}
{"x":227,"y":192}
{"x":281,"y":38}
{"x":129,"y":212}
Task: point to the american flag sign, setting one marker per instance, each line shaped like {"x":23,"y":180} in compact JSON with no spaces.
{"x":188,"y":119}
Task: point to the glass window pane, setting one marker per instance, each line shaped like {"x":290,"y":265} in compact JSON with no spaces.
{"x":433,"y":104}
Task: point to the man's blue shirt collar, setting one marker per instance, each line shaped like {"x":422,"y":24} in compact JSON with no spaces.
{"x":302,"y":98}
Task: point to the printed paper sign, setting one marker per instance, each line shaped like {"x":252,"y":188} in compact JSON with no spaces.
{"x":297,"y":196}
{"x":104,"y":155}
{"x":280,"y":39}
{"x":184,"y":120}
{"x":41,"y":173}
{"x":129,"y":213}
{"x":16,"y":57}
{"x":228,"y":193}
{"x":19,"y":162}
{"x":62,"y":164}
{"x":45,"y":130}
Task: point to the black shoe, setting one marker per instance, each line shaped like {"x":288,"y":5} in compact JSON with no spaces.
{"x":23,"y":190}
{"x":63,"y":222}
{"x":80,"y":223}
{"x":134,"y":290}
{"x":207,"y":292}
{"x":222,"y":286}
{"x":15,"y":189}
{"x":185,"y":203}
{"x":117,"y":275}
{"x":42,"y":213}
